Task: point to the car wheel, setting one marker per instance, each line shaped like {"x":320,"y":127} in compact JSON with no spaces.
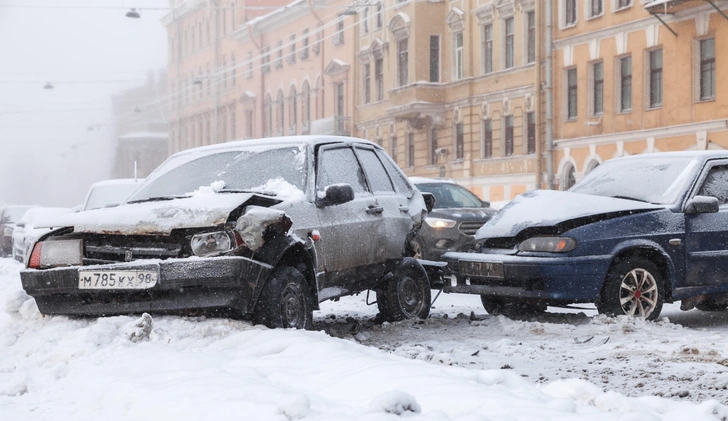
{"x":285,"y":301}
{"x":711,"y":305}
{"x":406,"y":293}
{"x":634,"y":287}
{"x":514,"y":309}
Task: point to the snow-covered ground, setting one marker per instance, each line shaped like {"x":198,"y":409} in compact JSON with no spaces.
{"x":459,"y":365}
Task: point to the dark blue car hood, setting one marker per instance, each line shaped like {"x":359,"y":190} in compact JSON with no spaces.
{"x":547,"y":208}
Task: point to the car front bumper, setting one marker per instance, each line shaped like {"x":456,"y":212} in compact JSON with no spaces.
{"x":556,"y":280}
{"x":183,"y":284}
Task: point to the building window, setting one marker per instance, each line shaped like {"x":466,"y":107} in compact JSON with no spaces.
{"x":531,"y":43}
{"x":208,"y":76}
{"x":569,"y":178}
{"x":402,"y":62}
{"x":365,"y":21}
{"x":233,"y":134}
{"x":569,"y":12}
{"x":249,"y":73}
{"x":509,"y":135}
{"x":367,"y":84}
{"x":707,"y":69}
{"x":223,"y":135}
{"x":531,"y":134}
{"x":596,"y":8}
{"x":487,"y":49}
{"x":304,"y":45}
{"x":625,"y":84}
{"x":621,"y":4}
{"x":459,"y":141}
{"x":379,"y":78}
{"x":434,"y":58}
{"x":339,"y":35}
{"x":279,"y":55}
{"x":232,"y":16}
{"x":339,"y":109}
{"x":598,"y":88}
{"x":458,"y":59}
{"x":224,"y":71}
{"x":265,"y":65}
{"x":319,"y":35}
{"x":378,"y":17}
{"x":292,"y":53}
{"x":281,"y":110}
{"x":393,"y":147}
{"x":655,"y":85}
{"x":571,"y":94}
{"x":233,"y":71}
{"x":249,"y":122}
{"x":487,"y":134}
{"x":293,"y":113}
{"x":306,"y":108}
{"x":433,"y":146}
{"x":410,"y":150}
{"x":508,"y":44}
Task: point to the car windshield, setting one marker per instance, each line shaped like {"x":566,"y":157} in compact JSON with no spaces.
{"x":450,"y":195}
{"x":656,"y":180}
{"x":109,"y":195}
{"x":232,"y":170}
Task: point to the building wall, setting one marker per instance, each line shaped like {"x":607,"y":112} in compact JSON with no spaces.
{"x":683,"y":121}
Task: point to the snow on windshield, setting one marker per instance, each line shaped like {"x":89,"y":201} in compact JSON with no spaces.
{"x":660,"y":179}
{"x":240,"y":169}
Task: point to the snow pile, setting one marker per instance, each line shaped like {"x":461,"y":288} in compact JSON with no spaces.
{"x":282,"y":189}
{"x":213,"y":188}
{"x":158,"y":368}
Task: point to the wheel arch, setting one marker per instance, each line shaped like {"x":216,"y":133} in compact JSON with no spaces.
{"x":654,"y":253}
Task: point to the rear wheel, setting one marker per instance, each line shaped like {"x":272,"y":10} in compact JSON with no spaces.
{"x":512,"y":308}
{"x":634,"y":287}
{"x":406,"y":293}
{"x":285,"y":301}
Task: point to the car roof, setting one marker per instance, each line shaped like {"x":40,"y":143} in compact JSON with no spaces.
{"x":118,"y":181}
{"x":423,"y":180}
{"x":697,"y":155}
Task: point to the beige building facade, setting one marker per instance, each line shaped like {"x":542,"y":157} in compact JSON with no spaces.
{"x":633,"y":77}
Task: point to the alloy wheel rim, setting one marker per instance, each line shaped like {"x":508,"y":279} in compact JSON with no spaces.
{"x":638,"y":293}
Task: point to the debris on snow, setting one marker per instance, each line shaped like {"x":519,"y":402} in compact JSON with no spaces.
{"x":395,"y":402}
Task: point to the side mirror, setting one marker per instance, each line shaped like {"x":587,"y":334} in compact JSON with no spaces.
{"x":702,"y":204}
{"x":20,"y":224}
{"x":335,"y":194}
{"x":429,"y":201}
{"x":486,"y":204}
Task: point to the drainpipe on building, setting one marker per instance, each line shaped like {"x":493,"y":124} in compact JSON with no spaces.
{"x":539,"y":97}
{"x":215,"y":70}
{"x":549,"y":98}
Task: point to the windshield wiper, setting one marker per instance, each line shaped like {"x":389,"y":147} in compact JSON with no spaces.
{"x":157,"y":199}
{"x":630,"y":198}
{"x":265,"y":193}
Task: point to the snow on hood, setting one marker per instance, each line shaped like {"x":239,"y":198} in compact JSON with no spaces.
{"x":200,"y":210}
{"x":546,"y":208}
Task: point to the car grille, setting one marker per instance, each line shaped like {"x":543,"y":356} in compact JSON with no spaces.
{"x":470,"y":228}
{"x":99,"y":252}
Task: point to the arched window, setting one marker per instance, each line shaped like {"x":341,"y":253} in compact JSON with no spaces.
{"x":281,"y":109}
{"x":306,"y":108}
{"x":568,"y":178}
{"x":293,"y":113}
{"x":267,"y":116}
{"x":593,"y":164}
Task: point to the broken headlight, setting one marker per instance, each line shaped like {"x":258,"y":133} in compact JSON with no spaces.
{"x":211,"y":243}
{"x":548,"y":244}
{"x":50,"y":254}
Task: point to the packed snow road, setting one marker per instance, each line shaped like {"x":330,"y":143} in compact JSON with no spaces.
{"x":461,"y":364}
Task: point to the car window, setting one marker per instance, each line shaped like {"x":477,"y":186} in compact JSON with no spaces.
{"x":716,"y":184}
{"x":14,"y":214}
{"x":376,"y":174}
{"x":339,"y":165}
{"x":450,"y":195}
{"x":400,"y":180}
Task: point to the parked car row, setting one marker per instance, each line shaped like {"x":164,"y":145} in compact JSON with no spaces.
{"x":267,"y":229}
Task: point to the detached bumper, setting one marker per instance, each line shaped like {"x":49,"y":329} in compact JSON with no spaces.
{"x":183,"y":284}
{"x":558,"y":280}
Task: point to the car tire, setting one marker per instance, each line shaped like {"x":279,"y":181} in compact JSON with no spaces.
{"x":285,"y":301}
{"x":633,"y":287}
{"x":711,"y":305}
{"x":405,"y":293}
{"x":514,"y":309}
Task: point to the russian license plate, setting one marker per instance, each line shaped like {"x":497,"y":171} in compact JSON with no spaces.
{"x":481,"y":269}
{"x":118,"y":279}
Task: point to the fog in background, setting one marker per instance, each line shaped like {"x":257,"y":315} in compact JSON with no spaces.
{"x":54,"y":143}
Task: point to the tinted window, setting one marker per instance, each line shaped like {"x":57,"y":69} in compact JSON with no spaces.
{"x":716,"y":184}
{"x":400,"y":180}
{"x":340,"y":166}
{"x":377,"y":175}
{"x":448,"y":195}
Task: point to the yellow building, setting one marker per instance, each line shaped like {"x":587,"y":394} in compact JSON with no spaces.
{"x":449,"y":89}
{"x":634,"y":77}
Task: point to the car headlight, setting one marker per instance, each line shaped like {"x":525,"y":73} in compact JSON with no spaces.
{"x":50,"y":254}
{"x":548,"y":244}
{"x":211,"y":243}
{"x":8,"y":231}
{"x":440,"y":222}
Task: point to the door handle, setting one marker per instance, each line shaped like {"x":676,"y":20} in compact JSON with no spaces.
{"x":404,"y":209}
{"x":375,"y":210}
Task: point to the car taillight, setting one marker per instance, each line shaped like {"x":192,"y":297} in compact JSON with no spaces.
{"x":34,"y":262}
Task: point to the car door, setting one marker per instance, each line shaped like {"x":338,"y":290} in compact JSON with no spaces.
{"x":396,"y":222}
{"x":707,"y":233}
{"x":349,"y":231}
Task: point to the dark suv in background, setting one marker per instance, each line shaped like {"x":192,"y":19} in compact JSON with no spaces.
{"x":452,"y":223}
{"x":9,"y":216}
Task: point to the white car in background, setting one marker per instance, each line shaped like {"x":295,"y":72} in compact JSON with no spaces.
{"x":110,"y":193}
{"x":31,"y":226}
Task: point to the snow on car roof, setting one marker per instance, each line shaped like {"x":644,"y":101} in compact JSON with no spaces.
{"x":417,"y":180}
{"x":118,"y":181}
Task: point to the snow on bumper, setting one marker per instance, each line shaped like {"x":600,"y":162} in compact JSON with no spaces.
{"x":553,"y":279}
{"x":183,"y":284}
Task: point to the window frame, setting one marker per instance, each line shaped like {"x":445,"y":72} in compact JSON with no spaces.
{"x":435,"y":59}
{"x":591,"y":14}
{"x":366,"y":83}
{"x":700,"y":63}
{"x":568,"y":88}
{"x":530,"y":26}
{"x":596,"y":91}
{"x":487,"y":48}
{"x":652,"y":74}
{"x":509,"y":43}
{"x":509,"y":138}
{"x":459,"y":141}
{"x":486,"y":138}
{"x":624,"y":81}
{"x":403,"y":62}
{"x":530,"y":132}
{"x":458,"y":55}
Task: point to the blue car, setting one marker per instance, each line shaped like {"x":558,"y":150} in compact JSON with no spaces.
{"x":635,"y":233}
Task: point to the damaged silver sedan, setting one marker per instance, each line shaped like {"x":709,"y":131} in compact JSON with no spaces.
{"x":264,"y":229}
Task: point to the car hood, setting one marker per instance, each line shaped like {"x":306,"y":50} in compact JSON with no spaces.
{"x":463,"y":214}
{"x":207,"y":210}
{"x":548,"y":208}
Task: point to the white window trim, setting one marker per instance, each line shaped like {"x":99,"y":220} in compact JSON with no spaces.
{"x":482,"y":49}
{"x":455,"y":75}
{"x":565,"y":76}
{"x":696,"y":70}
{"x":439,"y":57}
{"x":562,"y":15}
{"x":525,"y":35}
{"x":591,"y":92}
{"x":588,"y":9}
{"x":503,"y":43}
{"x":647,"y":73}
{"x":618,"y":85}
{"x":616,"y":8}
